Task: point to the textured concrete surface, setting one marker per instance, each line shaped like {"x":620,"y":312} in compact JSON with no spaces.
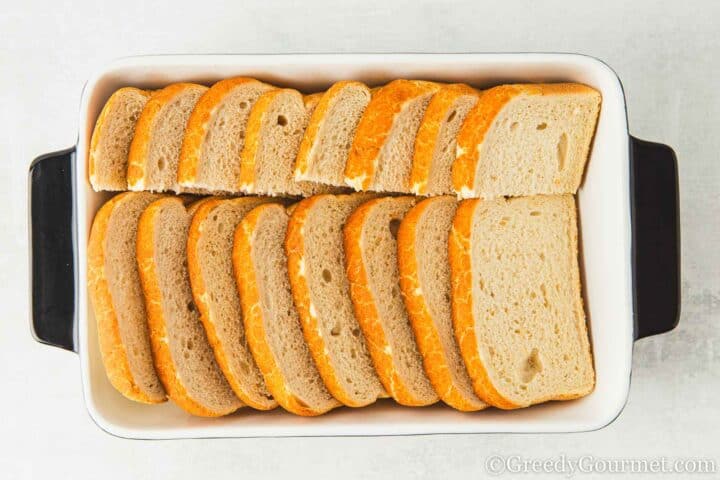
{"x":666,"y":54}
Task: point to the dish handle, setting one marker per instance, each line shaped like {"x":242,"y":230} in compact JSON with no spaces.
{"x":656,"y":237}
{"x":52,"y":249}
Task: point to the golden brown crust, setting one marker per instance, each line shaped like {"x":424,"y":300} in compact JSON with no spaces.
{"x":429,"y":132}
{"x":253,"y":316}
{"x":100,"y":124}
{"x":137,"y":156}
{"x":198,"y":125}
{"x":319,"y":113}
{"x":149,"y":277}
{"x":481,"y":118}
{"x":375,"y":126}
{"x":426,"y":334}
{"x":252,"y":139}
{"x":460,"y":252}
{"x":366,"y":311}
{"x":295,"y":249}
{"x":199,"y":295}
{"x":112,"y":349}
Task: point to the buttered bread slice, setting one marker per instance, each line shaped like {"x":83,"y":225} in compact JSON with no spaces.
{"x":526,"y":140}
{"x":183,"y":357}
{"x":371,"y":257}
{"x":517,"y":305}
{"x":316,"y":264}
{"x":272,"y":324}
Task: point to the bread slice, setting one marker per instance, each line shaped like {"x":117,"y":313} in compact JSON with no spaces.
{"x":371,"y":256}
{"x":155,"y":148}
{"x":183,"y":357}
{"x":382,"y":151}
{"x":215,"y":135}
{"x":425,"y":285}
{"x":271,"y":320}
{"x":316,"y":264}
{"x":210,"y":245}
{"x":326,"y":144}
{"x":435,"y":143}
{"x":517,"y":306}
{"x":117,"y":298}
{"x":275,"y":129}
{"x":114,"y":130}
{"x":526,"y":140}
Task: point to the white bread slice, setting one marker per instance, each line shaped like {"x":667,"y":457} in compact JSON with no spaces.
{"x":435,"y":143}
{"x":110,"y":143}
{"x":210,"y":245}
{"x":371,"y":257}
{"x":328,"y":137}
{"x":155,"y":148}
{"x":183,"y":357}
{"x":381,"y":155}
{"x":274,"y":131}
{"x":117,"y":298}
{"x":271,"y":321}
{"x":425,"y":283}
{"x":316,"y":264}
{"x":526,"y":140}
{"x":215,"y":135}
{"x":517,"y":306}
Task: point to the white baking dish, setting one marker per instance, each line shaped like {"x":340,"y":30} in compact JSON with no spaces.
{"x":628,"y":224}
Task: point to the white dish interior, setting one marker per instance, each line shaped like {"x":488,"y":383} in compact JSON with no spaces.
{"x":604,"y":213}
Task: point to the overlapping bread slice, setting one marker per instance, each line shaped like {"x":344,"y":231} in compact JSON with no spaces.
{"x":516,"y":300}
{"x":274,"y":131}
{"x":215,"y":135}
{"x":155,"y":148}
{"x":110,"y":143}
{"x":183,"y":357}
{"x":331,"y":129}
{"x":425,"y":283}
{"x":210,"y":246}
{"x":371,"y":255}
{"x":272,"y":324}
{"x":316,"y":264}
{"x":526,"y":140}
{"x":381,"y":154}
{"x":117,"y":298}
{"x":435,"y":143}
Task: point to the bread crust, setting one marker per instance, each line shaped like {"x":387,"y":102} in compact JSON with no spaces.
{"x":199,"y":290}
{"x":366,"y":311}
{"x":460,"y":255}
{"x":137,"y":155}
{"x":319,"y":113}
{"x":421,"y":320}
{"x":481,"y":118}
{"x":253,"y":317}
{"x":429,"y":133}
{"x":375,"y":126}
{"x":164,"y":363}
{"x":98,"y":131}
{"x":198,"y":126}
{"x":112,"y":349}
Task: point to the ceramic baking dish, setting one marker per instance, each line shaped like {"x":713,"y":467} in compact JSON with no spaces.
{"x":628,"y":213}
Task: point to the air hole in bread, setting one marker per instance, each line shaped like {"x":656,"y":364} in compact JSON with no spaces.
{"x":394,"y":226}
{"x":189,"y":344}
{"x":541,"y":126}
{"x":531,"y":367}
{"x":353,"y":353}
{"x":161,"y":164}
{"x":326,"y":275}
{"x":335,"y":331}
{"x":535,"y":213}
{"x":355,"y":332}
{"x":451,"y":116}
{"x":513,"y":125}
{"x":243,"y":105}
{"x":191,"y":307}
{"x":503,"y":221}
{"x":282,"y":120}
{"x":562,"y":151}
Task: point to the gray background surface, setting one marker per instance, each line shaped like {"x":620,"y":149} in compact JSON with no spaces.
{"x":666,"y":54}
